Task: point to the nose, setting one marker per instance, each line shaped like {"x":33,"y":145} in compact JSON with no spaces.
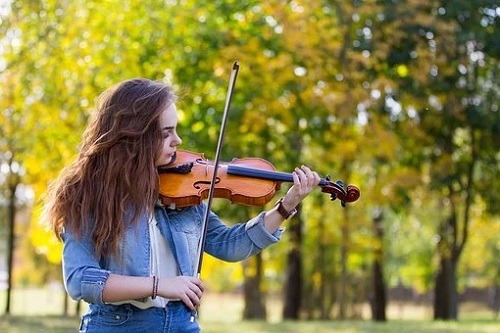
{"x":176,"y":141}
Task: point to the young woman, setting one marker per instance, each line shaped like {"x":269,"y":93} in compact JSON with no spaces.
{"x":131,"y":258}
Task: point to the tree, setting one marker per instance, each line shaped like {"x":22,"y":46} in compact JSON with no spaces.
{"x":12,"y":145}
{"x":442,"y":58}
{"x":320,"y":83}
{"x":379,"y":301}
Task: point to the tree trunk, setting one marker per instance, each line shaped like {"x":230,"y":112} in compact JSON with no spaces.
{"x":344,"y":251}
{"x":322,"y":269}
{"x":453,"y":239}
{"x":446,"y":295}
{"x":65,"y":304}
{"x":293,"y":278}
{"x":254,"y":298}
{"x":379,"y":300}
{"x":78,"y":308}
{"x":317,"y":297}
{"x":10,"y":242}
{"x":495,"y":302}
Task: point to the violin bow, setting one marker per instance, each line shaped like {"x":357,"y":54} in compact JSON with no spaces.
{"x":204,"y":227}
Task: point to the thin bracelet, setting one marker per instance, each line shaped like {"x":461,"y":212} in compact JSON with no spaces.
{"x":155,"y":287}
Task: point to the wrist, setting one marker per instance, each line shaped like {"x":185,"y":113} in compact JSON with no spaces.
{"x":284,"y":209}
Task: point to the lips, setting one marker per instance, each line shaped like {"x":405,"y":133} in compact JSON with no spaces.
{"x":169,"y":158}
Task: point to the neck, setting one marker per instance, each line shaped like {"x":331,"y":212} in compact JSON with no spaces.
{"x":278,"y":176}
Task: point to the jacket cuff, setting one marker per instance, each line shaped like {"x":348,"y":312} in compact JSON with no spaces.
{"x":93,"y":282}
{"x":258,"y":233}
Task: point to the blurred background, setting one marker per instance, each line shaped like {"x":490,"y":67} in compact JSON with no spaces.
{"x":400,"y":98}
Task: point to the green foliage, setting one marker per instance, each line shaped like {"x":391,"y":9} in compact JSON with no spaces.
{"x":399,"y":98}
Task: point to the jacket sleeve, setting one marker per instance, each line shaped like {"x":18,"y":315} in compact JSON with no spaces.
{"x":83,"y":277}
{"x":240,"y":241}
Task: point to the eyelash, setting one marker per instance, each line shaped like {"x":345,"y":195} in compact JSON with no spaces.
{"x":168,"y":133}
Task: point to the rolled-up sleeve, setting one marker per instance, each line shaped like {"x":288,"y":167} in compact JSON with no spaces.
{"x":83,"y":277}
{"x":239,"y":241}
{"x":258,"y":233}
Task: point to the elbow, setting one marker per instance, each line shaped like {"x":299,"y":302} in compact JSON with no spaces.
{"x":74,"y":293}
{"x":73,"y":289}
{"x":87,"y":286}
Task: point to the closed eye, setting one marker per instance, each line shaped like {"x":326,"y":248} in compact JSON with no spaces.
{"x":167,"y":131}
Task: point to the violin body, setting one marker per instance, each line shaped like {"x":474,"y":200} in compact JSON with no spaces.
{"x":186,"y":182}
{"x":246,"y":181}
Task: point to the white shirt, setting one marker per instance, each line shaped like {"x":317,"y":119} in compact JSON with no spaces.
{"x":162,"y":264}
{"x":162,"y":261}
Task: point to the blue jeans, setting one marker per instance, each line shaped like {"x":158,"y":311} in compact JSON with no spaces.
{"x":130,"y":319}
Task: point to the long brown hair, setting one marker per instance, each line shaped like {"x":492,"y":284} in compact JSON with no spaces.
{"x":115,"y":172}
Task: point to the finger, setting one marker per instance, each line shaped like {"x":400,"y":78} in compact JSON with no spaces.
{"x":308,"y":176}
{"x":199,"y":284}
{"x":186,"y":300}
{"x":297,"y":185}
{"x":313,"y":177}
{"x":302,"y":177}
{"x":308,"y":181}
{"x":195,"y":300}
{"x":295,"y":177}
{"x":317,"y":178}
{"x":198,"y":291}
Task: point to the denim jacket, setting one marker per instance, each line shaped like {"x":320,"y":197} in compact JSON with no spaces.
{"x":85,"y":275}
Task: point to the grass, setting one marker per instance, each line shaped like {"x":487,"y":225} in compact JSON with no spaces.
{"x":52,"y":324}
{"x":38,"y":311}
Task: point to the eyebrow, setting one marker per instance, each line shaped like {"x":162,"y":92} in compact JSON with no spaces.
{"x":167,"y":128}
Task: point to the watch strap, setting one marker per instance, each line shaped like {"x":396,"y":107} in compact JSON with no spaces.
{"x":283,"y":211}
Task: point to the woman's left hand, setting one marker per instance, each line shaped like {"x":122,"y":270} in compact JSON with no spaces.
{"x":304,"y":181}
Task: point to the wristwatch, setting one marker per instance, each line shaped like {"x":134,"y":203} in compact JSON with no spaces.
{"x":283,"y":212}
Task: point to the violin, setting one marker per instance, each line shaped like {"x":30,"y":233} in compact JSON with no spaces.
{"x":247,"y":181}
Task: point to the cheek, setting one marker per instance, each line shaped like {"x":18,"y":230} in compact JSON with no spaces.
{"x":160,"y":152}
{"x":164,"y":149}
{"x":167,"y":145}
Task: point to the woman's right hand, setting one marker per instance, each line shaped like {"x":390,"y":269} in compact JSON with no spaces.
{"x":188,"y":289}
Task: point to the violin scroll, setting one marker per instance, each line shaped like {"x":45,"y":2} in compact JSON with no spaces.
{"x":353,"y":193}
{"x":336,"y":190}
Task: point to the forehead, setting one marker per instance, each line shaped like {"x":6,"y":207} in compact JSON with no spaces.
{"x":168,"y":117}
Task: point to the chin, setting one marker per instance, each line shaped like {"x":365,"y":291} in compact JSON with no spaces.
{"x":166,"y":161}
